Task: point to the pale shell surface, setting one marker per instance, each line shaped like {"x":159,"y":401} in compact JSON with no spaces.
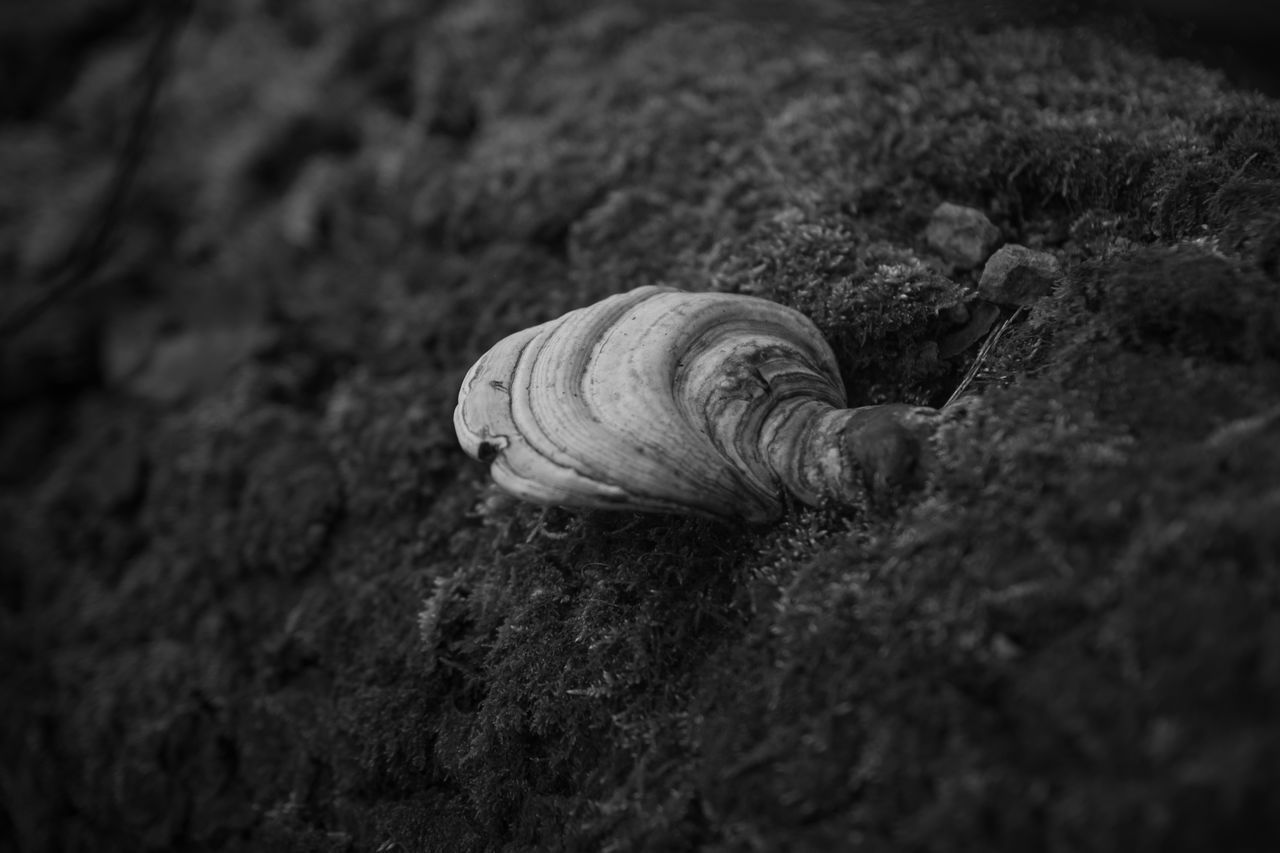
{"x":654,"y":400}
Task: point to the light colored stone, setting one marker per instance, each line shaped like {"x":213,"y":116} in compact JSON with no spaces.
{"x":1016,"y":275}
{"x":962,"y":236}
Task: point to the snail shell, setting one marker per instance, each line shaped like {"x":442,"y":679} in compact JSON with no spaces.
{"x":660,"y":400}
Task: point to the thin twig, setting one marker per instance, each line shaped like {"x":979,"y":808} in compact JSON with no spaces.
{"x":987,"y":346}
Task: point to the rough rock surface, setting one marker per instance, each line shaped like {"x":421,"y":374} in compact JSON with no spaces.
{"x":254,"y":597}
{"x":962,"y":236}
{"x":1016,"y":275}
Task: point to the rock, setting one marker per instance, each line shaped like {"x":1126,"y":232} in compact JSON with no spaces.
{"x":981,"y":319}
{"x":963,"y":236}
{"x":1016,"y":275}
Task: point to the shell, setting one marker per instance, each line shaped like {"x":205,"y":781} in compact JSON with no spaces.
{"x":660,"y":400}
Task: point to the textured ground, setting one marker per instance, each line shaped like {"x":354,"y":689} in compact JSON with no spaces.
{"x":253,"y":596}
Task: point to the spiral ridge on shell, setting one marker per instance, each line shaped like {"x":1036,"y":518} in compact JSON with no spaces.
{"x":661,"y":400}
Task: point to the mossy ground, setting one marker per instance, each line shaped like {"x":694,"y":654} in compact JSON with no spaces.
{"x":255,"y":597}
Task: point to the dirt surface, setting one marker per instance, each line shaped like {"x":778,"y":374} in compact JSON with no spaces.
{"x":254,"y":597}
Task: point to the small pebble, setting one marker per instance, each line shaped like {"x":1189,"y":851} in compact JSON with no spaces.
{"x":1016,"y":275}
{"x":962,"y":236}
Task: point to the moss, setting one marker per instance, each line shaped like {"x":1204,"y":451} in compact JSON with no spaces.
{"x":1183,"y":300}
{"x":1230,"y":192}
{"x":288,"y":614}
{"x":879,"y":305}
